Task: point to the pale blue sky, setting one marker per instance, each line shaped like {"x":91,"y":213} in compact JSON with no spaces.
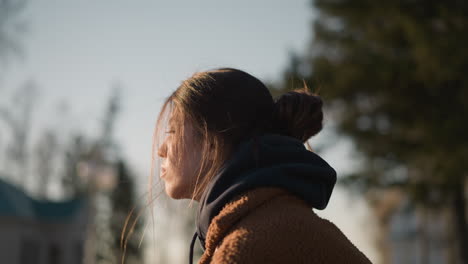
{"x":75,"y":51}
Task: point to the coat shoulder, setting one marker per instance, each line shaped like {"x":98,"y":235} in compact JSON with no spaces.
{"x":285,"y":230}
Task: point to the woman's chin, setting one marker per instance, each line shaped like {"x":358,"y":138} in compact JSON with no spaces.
{"x":175,"y":193}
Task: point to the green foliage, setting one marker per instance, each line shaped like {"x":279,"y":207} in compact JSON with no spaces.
{"x":396,"y":74}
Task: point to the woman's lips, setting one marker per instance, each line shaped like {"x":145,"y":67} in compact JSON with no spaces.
{"x":163,"y":172}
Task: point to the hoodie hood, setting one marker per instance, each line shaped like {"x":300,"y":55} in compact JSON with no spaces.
{"x":279,"y":161}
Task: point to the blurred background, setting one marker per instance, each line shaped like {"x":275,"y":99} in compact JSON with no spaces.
{"x":82,"y":82}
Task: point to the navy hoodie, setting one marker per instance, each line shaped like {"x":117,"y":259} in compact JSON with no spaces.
{"x":268,"y":160}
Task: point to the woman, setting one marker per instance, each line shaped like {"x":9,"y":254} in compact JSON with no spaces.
{"x":241,"y":155}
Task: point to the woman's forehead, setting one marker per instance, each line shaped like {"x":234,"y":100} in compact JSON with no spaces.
{"x":173,"y":115}
{"x":172,"y":121}
{"x":175,"y":119}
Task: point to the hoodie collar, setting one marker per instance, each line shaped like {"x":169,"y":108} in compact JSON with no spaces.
{"x":269,"y":160}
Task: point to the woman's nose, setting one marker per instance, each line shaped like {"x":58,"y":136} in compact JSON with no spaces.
{"x":162,"y":150}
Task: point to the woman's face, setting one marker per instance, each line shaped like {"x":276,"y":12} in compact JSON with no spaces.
{"x":180,"y":178}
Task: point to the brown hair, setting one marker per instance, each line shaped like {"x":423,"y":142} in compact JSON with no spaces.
{"x":226,"y":106}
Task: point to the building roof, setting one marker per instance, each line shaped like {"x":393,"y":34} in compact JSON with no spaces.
{"x":14,"y":202}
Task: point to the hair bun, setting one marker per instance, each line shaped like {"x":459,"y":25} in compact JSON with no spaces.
{"x":298,"y":114}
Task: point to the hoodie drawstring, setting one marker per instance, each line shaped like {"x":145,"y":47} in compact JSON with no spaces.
{"x":192,"y":244}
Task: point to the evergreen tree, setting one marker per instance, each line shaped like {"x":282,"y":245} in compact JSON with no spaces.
{"x":396,"y":74}
{"x":96,"y":159}
{"x":75,"y":152}
{"x":125,"y":205}
{"x":122,"y":198}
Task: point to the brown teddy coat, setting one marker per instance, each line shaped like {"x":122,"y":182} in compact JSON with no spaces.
{"x":270,"y":225}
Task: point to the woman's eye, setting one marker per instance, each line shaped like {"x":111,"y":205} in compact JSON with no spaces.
{"x":170,"y":131}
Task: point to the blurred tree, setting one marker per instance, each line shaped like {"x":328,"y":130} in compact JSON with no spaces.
{"x":75,"y":152}
{"x":110,"y":205}
{"x":18,"y":119}
{"x":395,"y":74}
{"x":106,"y":141}
{"x":122,"y":199}
{"x":11,"y":28}
{"x":124,"y":204}
{"x":46,"y":150}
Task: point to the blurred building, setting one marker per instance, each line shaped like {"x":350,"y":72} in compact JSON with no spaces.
{"x":40,"y":232}
{"x":411,"y":234}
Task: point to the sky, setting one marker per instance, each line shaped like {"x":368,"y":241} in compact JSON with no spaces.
{"x":76,"y":51}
